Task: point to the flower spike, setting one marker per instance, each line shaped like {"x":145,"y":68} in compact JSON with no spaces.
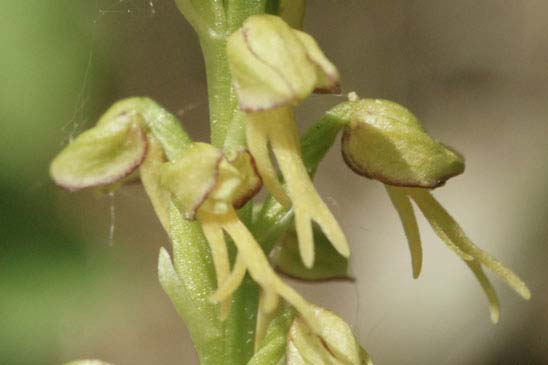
{"x":275,"y":67}
{"x":385,"y":141}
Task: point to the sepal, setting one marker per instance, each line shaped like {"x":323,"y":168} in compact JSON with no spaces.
{"x":101,"y":156}
{"x":273,"y":65}
{"x":385,"y":141}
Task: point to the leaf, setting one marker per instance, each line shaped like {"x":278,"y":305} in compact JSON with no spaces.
{"x":101,"y":156}
{"x":328,"y":265}
{"x":385,"y":142}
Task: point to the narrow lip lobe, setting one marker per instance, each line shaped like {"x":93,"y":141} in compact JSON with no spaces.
{"x":134,"y":166}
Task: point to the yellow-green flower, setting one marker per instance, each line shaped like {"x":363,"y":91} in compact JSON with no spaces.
{"x":385,"y":141}
{"x":274,"y":68}
{"x":207,"y":185}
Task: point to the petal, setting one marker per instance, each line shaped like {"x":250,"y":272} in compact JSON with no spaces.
{"x":250,"y":180}
{"x":327,"y":75}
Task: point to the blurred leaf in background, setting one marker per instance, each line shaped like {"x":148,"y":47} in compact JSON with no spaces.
{"x":47,"y":81}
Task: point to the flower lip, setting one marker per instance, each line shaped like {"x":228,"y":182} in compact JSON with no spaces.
{"x":83,"y":163}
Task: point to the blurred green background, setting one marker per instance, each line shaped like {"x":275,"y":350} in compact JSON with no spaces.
{"x":78,"y":270}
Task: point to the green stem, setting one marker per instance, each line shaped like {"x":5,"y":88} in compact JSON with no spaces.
{"x":223,"y":105}
{"x":227,"y":131}
{"x":214,"y":23}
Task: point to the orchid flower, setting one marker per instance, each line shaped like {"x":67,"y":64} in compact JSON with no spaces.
{"x":385,"y":141}
{"x":274,"y":67}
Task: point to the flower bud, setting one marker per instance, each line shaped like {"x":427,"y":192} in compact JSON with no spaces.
{"x":102,"y":155}
{"x":385,"y":141}
{"x":330,"y":342}
{"x":273,"y":65}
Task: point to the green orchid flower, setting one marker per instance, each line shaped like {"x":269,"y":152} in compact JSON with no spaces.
{"x":274,"y":67}
{"x":385,"y":141}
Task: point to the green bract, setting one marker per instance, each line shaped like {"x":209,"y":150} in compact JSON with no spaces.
{"x":273,"y":65}
{"x":207,"y":179}
{"x":328,"y":265}
{"x":335,"y":345}
{"x":384,"y":141}
{"x":102,"y":155}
